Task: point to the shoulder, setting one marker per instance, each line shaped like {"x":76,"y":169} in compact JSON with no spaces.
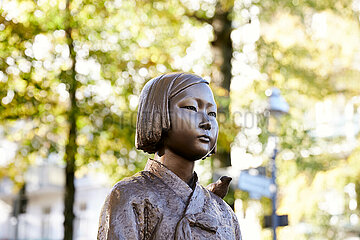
{"x":139,"y":183}
{"x":219,"y":203}
{"x":216,"y":199}
{"x":135,"y":180}
{"x":142,"y":185}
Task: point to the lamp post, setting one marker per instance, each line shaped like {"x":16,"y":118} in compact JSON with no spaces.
{"x":277,"y":107}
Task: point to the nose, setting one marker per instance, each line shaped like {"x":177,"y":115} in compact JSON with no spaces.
{"x":205,"y":124}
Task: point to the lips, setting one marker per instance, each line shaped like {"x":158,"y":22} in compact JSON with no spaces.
{"x":204,"y":138}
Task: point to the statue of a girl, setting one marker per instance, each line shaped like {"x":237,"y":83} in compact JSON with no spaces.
{"x":176,"y":121}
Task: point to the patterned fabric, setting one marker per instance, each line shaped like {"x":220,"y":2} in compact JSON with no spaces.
{"x":157,"y":204}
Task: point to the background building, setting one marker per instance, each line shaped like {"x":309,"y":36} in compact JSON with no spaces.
{"x":44,"y":218}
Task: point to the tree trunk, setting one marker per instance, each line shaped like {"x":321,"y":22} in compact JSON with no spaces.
{"x":223,"y":50}
{"x":71,"y":147}
{"x":222,"y":47}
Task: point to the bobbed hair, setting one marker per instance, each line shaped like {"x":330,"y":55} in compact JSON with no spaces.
{"x":153,"y":118}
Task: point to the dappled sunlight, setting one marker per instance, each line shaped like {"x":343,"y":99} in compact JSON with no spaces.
{"x":108,"y":50}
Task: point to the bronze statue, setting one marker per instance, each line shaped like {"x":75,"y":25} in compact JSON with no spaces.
{"x":177,"y":122}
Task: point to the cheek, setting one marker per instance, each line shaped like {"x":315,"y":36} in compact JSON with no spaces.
{"x":214,"y":126}
{"x":214,"y":129}
{"x":183,"y":120}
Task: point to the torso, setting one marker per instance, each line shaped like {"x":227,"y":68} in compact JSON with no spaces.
{"x":155,"y":205}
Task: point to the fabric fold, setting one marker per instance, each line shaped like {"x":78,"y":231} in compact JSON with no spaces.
{"x":157,"y":204}
{"x":195,"y":215}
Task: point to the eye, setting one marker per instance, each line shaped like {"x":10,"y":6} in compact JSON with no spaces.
{"x":192,"y":108}
{"x":213,"y":114}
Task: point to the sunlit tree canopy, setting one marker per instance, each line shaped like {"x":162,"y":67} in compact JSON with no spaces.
{"x":108,"y":50}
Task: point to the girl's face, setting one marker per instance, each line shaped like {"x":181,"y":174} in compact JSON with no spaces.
{"x":193,"y":131}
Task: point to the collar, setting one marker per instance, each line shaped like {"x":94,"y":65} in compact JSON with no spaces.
{"x":175,"y":183}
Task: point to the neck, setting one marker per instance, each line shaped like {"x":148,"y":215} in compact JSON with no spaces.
{"x":182,"y":167}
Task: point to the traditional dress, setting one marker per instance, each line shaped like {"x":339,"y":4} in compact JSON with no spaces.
{"x":157,"y":204}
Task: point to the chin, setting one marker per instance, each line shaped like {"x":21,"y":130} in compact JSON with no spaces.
{"x":192,"y":151}
{"x":198,"y":155}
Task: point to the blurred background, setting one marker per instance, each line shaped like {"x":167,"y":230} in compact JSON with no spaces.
{"x":286,"y":78}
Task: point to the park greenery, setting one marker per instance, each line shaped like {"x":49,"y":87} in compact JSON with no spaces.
{"x":71,"y":73}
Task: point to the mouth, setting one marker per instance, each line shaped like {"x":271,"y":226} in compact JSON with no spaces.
{"x":204,"y":138}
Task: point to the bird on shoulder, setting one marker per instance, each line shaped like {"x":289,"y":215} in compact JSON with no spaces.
{"x":220,"y":187}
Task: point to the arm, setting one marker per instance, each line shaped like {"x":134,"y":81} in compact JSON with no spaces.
{"x":238,"y":232}
{"x":237,"y":227}
{"x":128,"y":215}
{"x":117,"y":220}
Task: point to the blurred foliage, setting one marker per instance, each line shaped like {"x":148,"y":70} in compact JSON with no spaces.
{"x":120,"y":45}
{"x":309,"y":50}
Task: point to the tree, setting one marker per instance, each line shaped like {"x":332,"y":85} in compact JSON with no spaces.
{"x":310,"y":65}
{"x":72,"y":115}
{"x":72,"y":73}
{"x":219,"y":15}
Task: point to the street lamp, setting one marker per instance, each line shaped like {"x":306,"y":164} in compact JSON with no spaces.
{"x":277,"y":107}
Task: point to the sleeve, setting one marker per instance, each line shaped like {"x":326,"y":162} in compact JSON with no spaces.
{"x":117,"y":220}
{"x":126,"y":215}
{"x":237,"y":227}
